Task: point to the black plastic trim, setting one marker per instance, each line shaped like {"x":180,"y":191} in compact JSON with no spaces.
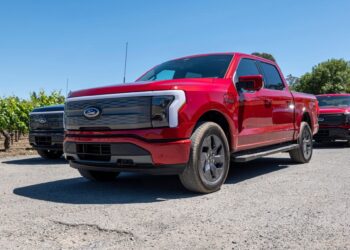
{"x":148,"y":169}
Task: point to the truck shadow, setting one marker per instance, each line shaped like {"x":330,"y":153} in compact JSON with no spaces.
{"x":137,"y":188}
{"x":243,"y":171}
{"x":331,"y":145}
{"x":36,"y":161}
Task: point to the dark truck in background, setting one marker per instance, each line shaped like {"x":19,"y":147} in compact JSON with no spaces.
{"x":334,"y":118}
{"x":46,"y":132}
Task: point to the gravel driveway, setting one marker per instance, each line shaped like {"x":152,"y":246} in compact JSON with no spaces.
{"x":267,"y":203}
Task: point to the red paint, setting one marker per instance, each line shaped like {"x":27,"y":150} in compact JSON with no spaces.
{"x":259,"y":118}
{"x":176,"y":152}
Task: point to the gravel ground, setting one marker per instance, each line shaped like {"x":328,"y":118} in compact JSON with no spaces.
{"x":267,"y":203}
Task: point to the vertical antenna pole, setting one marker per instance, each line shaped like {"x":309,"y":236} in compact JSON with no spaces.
{"x":126,"y":58}
{"x":67,"y":82}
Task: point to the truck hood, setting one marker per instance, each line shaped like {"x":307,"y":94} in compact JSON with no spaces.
{"x":53,"y":108}
{"x":146,"y":86}
{"x":334,"y":110}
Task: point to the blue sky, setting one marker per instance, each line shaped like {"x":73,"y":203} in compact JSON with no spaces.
{"x":44,"y":42}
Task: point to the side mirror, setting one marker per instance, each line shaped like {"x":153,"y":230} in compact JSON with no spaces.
{"x":252,"y":83}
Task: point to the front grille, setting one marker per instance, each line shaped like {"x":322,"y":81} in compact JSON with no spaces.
{"x":331,"y":119}
{"x":94,"y":152}
{"x":323,"y":133}
{"x":43,"y":140}
{"x":116,"y":113}
{"x":46,"y":121}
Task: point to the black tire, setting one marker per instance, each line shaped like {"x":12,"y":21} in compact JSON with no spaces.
{"x":209,"y":159}
{"x":98,"y":175}
{"x":303,"y":153}
{"x":50,"y":154}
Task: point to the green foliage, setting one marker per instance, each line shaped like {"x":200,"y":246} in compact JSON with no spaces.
{"x":332,"y":76}
{"x":265,"y":55}
{"x":14,"y":112}
{"x":42,"y":99}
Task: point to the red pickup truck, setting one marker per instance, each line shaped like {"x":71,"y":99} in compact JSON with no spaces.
{"x":334,"y":118}
{"x":190,"y":116}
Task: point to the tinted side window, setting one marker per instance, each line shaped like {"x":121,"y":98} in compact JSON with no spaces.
{"x":272,"y":77}
{"x":247,"y":67}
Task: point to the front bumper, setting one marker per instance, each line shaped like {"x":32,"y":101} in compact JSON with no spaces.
{"x":46,"y":140}
{"x":127,"y":154}
{"x":331,"y":133}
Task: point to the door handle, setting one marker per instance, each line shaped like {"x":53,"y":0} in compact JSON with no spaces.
{"x":290,"y":104}
{"x":268,"y":102}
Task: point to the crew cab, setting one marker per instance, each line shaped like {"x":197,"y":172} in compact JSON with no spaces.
{"x":190,"y":116}
{"x":334,"y":118}
{"x":46,"y":131}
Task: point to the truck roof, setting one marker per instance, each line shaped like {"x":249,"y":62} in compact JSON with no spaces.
{"x":228,"y":53}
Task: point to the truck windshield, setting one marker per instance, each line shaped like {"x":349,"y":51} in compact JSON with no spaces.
{"x":211,"y":66}
{"x":333,"y":101}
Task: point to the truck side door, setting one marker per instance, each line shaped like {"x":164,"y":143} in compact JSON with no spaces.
{"x":253,"y":114}
{"x":279,"y":97}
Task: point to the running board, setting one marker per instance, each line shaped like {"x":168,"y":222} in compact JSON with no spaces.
{"x":252,"y":156}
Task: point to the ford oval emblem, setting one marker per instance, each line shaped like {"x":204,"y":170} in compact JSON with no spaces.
{"x":92,"y":112}
{"x":42,"y":120}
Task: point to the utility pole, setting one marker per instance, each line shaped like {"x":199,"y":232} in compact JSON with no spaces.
{"x":126,"y":58}
{"x":67,"y":82}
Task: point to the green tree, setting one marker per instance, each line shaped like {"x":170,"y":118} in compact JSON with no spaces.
{"x":331,"y":76}
{"x":264,"y":55}
{"x":42,"y":99}
{"x":292,"y":80}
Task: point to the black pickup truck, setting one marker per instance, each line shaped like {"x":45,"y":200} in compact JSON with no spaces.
{"x":46,"y":132}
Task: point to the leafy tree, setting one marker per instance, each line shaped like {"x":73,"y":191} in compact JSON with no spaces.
{"x":331,"y":76}
{"x":292,"y":80}
{"x":42,"y":99}
{"x":264,"y":55}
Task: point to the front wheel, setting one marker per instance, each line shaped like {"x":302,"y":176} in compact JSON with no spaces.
{"x":209,"y":159}
{"x":303,"y":153}
{"x":98,"y":175}
{"x":50,"y":154}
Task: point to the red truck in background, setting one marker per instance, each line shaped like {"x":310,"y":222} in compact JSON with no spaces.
{"x":334,"y":118}
{"x":190,"y":116}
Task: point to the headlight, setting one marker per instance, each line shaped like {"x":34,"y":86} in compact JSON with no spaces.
{"x":160,"y":111}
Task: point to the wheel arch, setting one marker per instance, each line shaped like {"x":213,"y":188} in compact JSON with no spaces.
{"x":220,"y":119}
{"x":307,"y":118}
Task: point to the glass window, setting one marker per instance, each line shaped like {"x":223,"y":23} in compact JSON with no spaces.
{"x":210,"y":66}
{"x":164,"y":75}
{"x":272,"y":77}
{"x":333,"y":101}
{"x":247,"y":67}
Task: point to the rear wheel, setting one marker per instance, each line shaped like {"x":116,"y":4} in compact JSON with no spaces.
{"x":98,"y":175}
{"x":303,"y":153}
{"x":50,"y":154}
{"x":209,"y":159}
